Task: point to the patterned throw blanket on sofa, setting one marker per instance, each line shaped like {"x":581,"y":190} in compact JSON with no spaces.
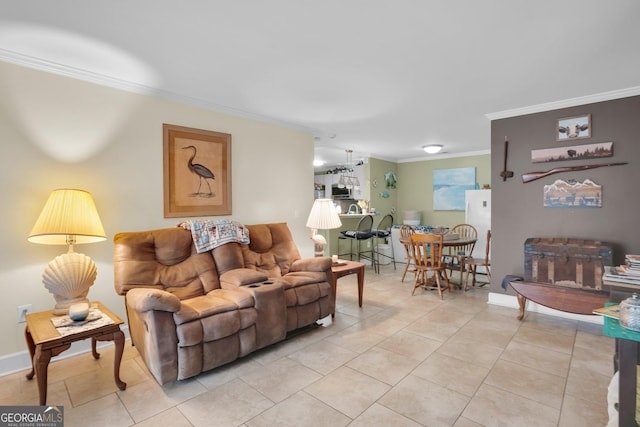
{"x":209,"y":234}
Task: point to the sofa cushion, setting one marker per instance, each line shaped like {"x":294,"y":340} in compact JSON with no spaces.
{"x":242,"y":276}
{"x":228,"y":257}
{"x":240,"y":297}
{"x":271,"y":250}
{"x":218,"y":301}
{"x":213,"y":316}
{"x":163,"y":259}
{"x":305,"y":294}
{"x":200,"y":307}
{"x":263,"y":263}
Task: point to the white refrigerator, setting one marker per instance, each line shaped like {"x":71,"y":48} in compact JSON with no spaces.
{"x":478,"y":214}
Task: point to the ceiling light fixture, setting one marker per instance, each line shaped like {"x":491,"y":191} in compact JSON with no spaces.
{"x":318,"y":163}
{"x":433,"y":148}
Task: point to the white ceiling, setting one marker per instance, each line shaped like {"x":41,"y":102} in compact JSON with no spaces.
{"x":380,"y":77}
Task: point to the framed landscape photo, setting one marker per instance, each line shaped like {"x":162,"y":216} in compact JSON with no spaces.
{"x":569,"y":128}
{"x":197,"y":172}
{"x":449,"y":186}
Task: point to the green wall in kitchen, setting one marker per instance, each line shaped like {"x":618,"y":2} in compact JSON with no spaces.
{"x":415,"y":187}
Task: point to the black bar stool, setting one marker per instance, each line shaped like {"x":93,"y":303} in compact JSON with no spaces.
{"x":360,"y":234}
{"x":383,"y":231}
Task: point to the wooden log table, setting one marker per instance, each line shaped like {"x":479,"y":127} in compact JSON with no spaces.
{"x":568,"y":299}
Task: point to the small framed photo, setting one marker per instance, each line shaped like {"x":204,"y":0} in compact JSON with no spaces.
{"x":197,"y":172}
{"x":570,"y":128}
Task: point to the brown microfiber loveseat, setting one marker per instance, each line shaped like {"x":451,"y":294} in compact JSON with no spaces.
{"x":190,"y":312}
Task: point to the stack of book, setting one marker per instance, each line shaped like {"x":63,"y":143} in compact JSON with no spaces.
{"x":633,"y":262}
{"x":628,"y":274}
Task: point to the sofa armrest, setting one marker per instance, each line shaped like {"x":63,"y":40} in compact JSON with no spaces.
{"x":153,"y":330}
{"x":240,"y":277}
{"x":312,"y":264}
{"x":147,"y":299}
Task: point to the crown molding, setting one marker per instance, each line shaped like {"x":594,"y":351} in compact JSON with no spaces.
{"x":72,"y":72}
{"x":441,"y":156}
{"x":133,"y":87}
{"x":571,"y":102}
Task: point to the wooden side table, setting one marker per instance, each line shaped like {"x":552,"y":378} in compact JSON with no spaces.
{"x":44,"y":341}
{"x":349,"y":267}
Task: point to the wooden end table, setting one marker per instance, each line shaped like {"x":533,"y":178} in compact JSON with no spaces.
{"x":44,"y":341}
{"x":341,"y":270}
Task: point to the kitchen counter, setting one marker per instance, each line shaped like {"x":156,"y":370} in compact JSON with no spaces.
{"x":355,"y":215}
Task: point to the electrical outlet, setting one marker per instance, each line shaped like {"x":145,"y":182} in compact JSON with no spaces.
{"x":22,"y":311}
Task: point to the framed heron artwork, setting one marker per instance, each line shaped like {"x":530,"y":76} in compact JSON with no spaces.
{"x":197,"y":172}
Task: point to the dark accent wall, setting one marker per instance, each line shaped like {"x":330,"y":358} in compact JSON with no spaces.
{"x":517,"y":208}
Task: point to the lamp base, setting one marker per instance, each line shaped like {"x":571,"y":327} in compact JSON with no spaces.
{"x":68,"y":277}
{"x":318,"y":242}
{"x":318,"y":249}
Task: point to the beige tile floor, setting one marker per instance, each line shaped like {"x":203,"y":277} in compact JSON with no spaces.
{"x":397,"y":361}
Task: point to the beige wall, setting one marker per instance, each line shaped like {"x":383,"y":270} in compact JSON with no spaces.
{"x":415,"y":187}
{"x":60,"y":132}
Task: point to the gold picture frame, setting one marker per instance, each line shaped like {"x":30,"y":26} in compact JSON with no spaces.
{"x":197,"y":172}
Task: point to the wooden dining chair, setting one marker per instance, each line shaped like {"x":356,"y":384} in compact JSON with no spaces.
{"x":455,"y":255}
{"x":427,"y":258}
{"x":471,"y":265}
{"x":406,"y":231}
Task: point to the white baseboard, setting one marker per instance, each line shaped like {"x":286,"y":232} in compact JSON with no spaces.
{"x":21,"y":360}
{"x":511,"y":301}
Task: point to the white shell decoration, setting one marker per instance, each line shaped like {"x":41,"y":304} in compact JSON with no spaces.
{"x":68,"y":277}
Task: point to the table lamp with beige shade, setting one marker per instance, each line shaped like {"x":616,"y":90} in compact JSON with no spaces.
{"x":68,"y":218}
{"x":323,"y":216}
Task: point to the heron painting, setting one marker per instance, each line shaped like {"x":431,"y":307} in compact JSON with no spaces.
{"x":203,"y":173}
{"x":197,"y":172}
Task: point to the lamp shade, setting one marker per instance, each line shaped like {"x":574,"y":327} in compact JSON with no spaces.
{"x":323,"y":215}
{"x":68,"y":212}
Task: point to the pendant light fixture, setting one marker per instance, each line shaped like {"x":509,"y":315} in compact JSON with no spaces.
{"x":347,"y":179}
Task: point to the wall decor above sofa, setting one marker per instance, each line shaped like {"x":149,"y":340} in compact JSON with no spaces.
{"x":197,"y":172}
